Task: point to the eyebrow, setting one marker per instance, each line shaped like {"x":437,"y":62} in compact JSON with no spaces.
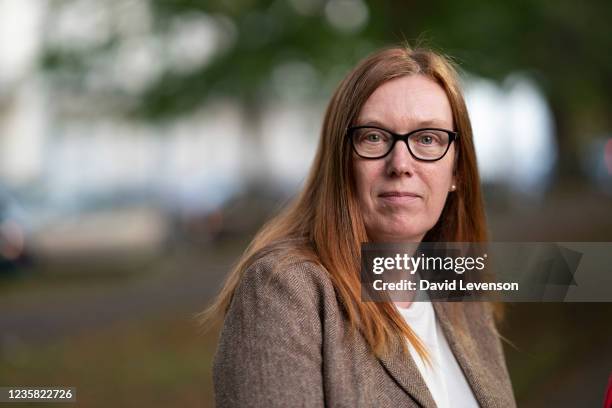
{"x":420,"y":124}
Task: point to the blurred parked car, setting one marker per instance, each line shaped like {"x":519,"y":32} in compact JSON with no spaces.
{"x":14,"y":252}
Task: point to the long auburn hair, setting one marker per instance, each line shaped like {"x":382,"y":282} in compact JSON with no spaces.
{"x":324,"y":224}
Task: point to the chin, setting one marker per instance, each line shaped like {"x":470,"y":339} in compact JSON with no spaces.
{"x":401,"y":234}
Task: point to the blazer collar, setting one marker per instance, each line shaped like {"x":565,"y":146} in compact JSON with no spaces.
{"x":404,"y":370}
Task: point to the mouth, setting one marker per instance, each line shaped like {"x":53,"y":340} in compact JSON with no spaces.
{"x":399,"y":196}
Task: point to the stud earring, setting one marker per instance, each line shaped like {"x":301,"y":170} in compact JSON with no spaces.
{"x":453,"y":187}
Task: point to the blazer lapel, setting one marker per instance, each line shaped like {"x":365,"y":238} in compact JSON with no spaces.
{"x":465,"y":351}
{"x":403,"y":369}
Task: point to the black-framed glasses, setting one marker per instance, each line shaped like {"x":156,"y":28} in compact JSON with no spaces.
{"x":427,"y":144}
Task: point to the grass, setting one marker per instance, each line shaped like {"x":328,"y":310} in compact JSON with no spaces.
{"x":148,"y":364}
{"x":553,"y":342}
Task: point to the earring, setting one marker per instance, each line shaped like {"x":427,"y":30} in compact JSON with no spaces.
{"x":453,"y":187}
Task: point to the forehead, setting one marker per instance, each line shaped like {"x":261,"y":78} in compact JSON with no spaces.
{"x":406,"y":103}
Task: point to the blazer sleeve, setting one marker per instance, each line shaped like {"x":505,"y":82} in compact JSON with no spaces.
{"x":269,"y":351}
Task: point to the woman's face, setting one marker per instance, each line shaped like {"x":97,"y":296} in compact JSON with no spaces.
{"x":400,"y":197}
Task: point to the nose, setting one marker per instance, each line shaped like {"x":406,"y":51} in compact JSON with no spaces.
{"x":400,"y":161}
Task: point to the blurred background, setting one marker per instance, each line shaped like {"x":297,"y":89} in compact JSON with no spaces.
{"x":143,"y":142}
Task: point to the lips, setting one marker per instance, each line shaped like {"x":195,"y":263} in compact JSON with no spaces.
{"x":400,"y":198}
{"x":398,"y":194}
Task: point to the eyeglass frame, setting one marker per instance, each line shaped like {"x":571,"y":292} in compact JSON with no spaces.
{"x":452,"y":137}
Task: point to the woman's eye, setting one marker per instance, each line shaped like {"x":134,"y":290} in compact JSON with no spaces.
{"x":373,"y":137}
{"x":426,"y":139}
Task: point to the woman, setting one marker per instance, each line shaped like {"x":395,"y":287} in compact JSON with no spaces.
{"x":296,"y":332}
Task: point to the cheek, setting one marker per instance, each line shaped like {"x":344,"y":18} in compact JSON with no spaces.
{"x":366,"y":175}
{"x":439,"y":183}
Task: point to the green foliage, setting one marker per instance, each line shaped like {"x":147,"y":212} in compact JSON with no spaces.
{"x":564,"y":45}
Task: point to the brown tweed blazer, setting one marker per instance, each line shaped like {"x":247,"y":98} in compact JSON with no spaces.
{"x":286,"y":343}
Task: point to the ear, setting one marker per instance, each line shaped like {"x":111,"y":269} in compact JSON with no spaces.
{"x":455,"y":179}
{"x":453,"y":186}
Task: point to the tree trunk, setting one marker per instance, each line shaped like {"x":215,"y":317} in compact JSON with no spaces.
{"x":568,"y":168}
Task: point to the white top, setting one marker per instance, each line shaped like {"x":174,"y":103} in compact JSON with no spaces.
{"x":444,"y":378}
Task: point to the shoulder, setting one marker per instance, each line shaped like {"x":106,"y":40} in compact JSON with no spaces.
{"x":277,"y":310}
{"x":281,"y":272}
{"x":269,"y":350}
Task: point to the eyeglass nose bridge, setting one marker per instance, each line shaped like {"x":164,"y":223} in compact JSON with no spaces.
{"x":402,"y":138}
